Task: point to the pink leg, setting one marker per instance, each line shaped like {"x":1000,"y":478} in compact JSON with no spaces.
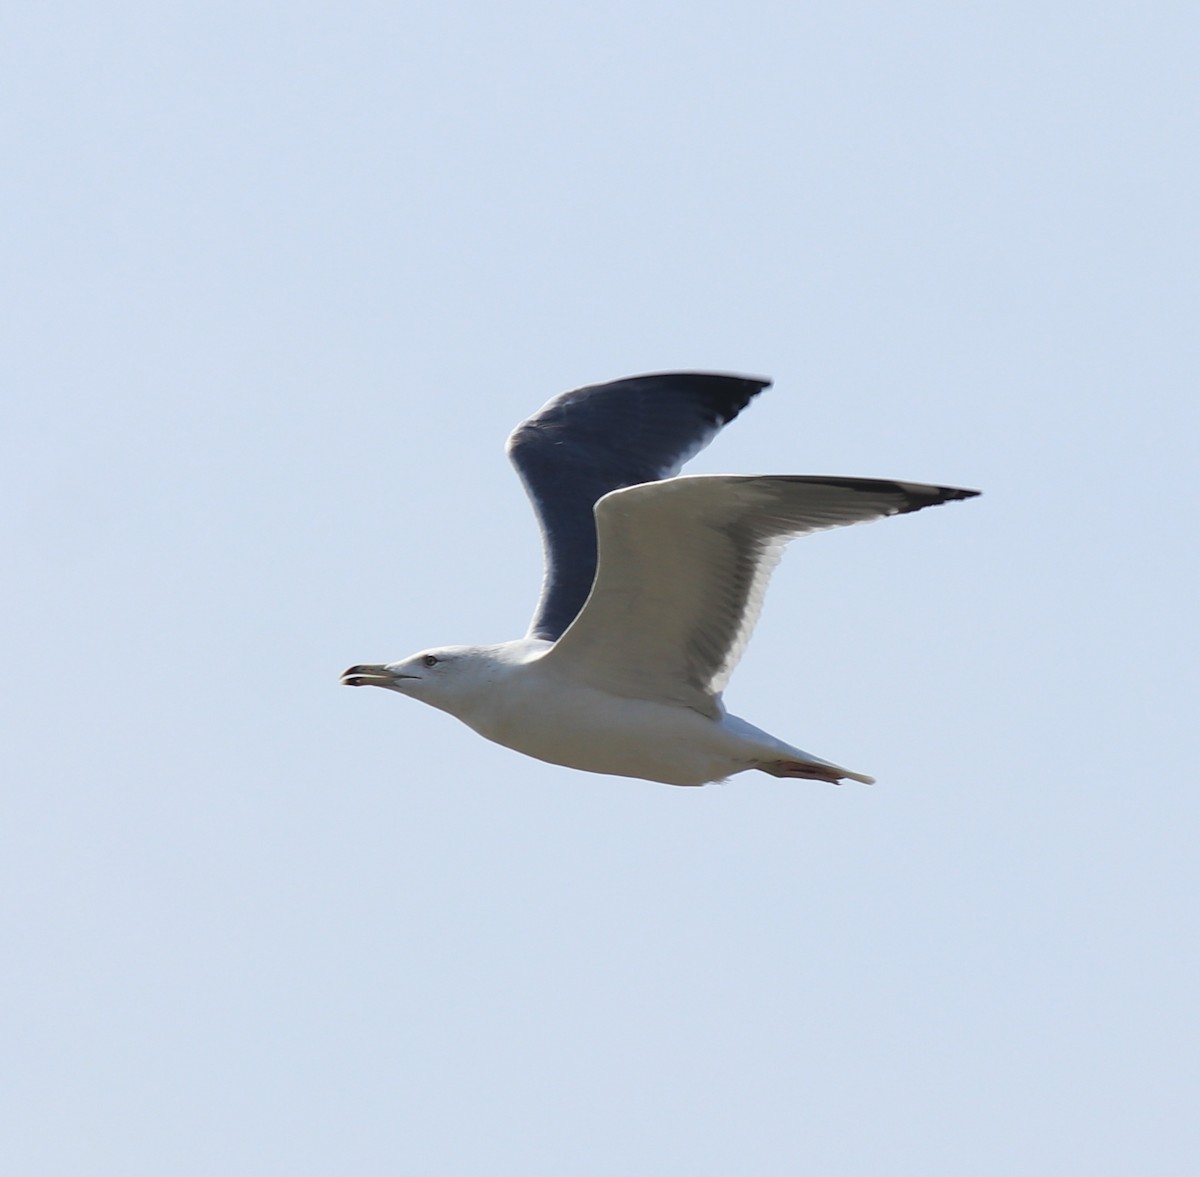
{"x":803,"y":770}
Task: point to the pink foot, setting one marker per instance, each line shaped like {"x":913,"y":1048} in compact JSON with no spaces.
{"x":808,"y":771}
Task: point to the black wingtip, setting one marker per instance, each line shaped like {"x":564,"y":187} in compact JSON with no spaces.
{"x":921,"y":496}
{"x":951,"y":493}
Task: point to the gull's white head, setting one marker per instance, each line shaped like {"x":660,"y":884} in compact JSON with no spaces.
{"x":444,"y":677}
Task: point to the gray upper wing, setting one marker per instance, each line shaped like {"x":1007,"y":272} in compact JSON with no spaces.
{"x":684,"y":567}
{"x":587,"y":442}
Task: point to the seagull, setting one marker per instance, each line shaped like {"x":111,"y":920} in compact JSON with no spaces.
{"x":653,"y":582}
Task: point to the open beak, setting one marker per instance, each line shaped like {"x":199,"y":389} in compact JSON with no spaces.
{"x":370,"y":676}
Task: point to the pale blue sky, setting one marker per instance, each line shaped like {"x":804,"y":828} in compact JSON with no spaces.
{"x":280,"y":278}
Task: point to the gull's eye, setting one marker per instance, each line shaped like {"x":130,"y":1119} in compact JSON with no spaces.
{"x":429,"y":660}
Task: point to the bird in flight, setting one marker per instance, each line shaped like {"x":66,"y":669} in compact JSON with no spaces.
{"x":653,"y":582}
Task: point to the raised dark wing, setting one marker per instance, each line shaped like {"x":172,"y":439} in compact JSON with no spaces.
{"x":587,"y":442}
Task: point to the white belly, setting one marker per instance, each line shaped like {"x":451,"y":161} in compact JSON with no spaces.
{"x":585,"y":729}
